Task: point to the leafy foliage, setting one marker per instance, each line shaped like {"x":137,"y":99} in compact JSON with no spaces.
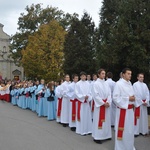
{"x":124,"y":36}
{"x":30,"y":22}
{"x":43,"y":56}
{"x":79,"y":49}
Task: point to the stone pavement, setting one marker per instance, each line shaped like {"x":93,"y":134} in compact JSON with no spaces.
{"x":23,"y":130}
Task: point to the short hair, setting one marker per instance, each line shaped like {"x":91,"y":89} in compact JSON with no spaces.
{"x":60,"y":81}
{"x":125,"y":70}
{"x":67,"y":75}
{"x":140,"y":74}
{"x":94,"y":75}
{"x":74,"y":75}
{"x":109,"y":75}
{"x":82,"y":73}
{"x":88,"y":75}
{"x":100,"y":70}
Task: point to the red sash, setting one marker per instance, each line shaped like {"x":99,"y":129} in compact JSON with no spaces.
{"x":59,"y":107}
{"x":137,"y":113}
{"x":93,"y":103}
{"x":101,"y":115}
{"x":73,"y":109}
{"x":122,"y":121}
{"x":79,"y":108}
{"x":27,"y":94}
{"x":39,"y":96}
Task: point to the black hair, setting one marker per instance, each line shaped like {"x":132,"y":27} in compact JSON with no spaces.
{"x":74,"y":75}
{"x":125,"y":70}
{"x":100,"y":70}
{"x":82,"y":73}
{"x":140,"y":74}
{"x":109,"y":75}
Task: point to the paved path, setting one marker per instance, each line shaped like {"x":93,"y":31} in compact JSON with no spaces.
{"x":23,"y":130}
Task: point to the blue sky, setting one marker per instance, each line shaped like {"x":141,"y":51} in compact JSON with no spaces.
{"x":10,"y":10}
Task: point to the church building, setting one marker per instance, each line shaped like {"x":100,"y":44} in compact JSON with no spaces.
{"x":8,"y":69}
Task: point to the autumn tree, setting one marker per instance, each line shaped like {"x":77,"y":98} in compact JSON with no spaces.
{"x":29,"y":23}
{"x":43,"y":55}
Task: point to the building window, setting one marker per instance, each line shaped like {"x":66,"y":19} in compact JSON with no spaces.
{"x":4,"y":49}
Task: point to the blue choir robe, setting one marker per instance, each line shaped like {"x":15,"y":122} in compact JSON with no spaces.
{"x":21,"y":96}
{"x":33,"y":101}
{"x":36,"y":100}
{"x":16,"y":95}
{"x":41,"y":105}
{"x":31,"y":90}
{"x":51,"y":113}
{"x":13,"y":99}
{"x":56,"y":99}
{"x":27,"y":97}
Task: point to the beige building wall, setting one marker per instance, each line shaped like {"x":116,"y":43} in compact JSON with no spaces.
{"x":8,"y":69}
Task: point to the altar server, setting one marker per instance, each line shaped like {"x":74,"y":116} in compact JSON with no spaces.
{"x":101,"y":129}
{"x":142,"y":100}
{"x":65,"y":101}
{"x":83,"y":94}
{"x":124,"y":98}
{"x":73,"y":103}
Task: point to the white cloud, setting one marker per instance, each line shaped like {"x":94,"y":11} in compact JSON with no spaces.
{"x":10,"y":10}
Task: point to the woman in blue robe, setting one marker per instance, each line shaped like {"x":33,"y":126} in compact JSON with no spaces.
{"x":50,"y":94}
{"x":36,"y":97}
{"x":56,"y":98}
{"x":24,"y":103}
{"x":17,"y":94}
{"x":21,"y":96}
{"x":33,"y":100}
{"x":41,"y":92}
{"x":13,"y":99}
{"x":31,"y":95}
{"x":19,"y":100}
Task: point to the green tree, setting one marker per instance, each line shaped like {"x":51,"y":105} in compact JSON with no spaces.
{"x":43,"y":56}
{"x":124,"y":35}
{"x":79,"y":48}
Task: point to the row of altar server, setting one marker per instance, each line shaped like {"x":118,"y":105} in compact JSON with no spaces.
{"x":87,"y":107}
{"x":127,"y":111}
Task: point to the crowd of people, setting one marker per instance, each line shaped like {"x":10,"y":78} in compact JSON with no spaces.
{"x":88,"y":106}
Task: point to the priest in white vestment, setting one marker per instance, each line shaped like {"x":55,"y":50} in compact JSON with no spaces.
{"x":142,"y":100}
{"x":83,"y":94}
{"x":101,"y":129}
{"x":124,"y":98}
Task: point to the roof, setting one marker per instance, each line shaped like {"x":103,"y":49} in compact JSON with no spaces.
{"x":3,"y":35}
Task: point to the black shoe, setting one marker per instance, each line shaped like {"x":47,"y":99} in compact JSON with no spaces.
{"x":97,"y":141}
{"x":73,"y":129}
{"x":108,"y":139}
{"x":84,"y":135}
{"x":136,"y":135}
{"x":64,"y":125}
